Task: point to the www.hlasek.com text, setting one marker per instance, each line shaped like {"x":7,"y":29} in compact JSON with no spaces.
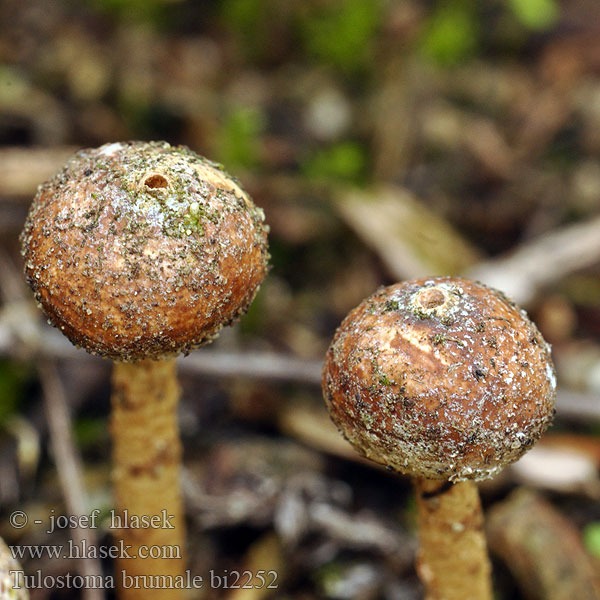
{"x":83,"y":549}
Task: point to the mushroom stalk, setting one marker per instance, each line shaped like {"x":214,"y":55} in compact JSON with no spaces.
{"x":146,"y":474}
{"x":445,"y":380}
{"x":138,"y":251}
{"x":452,"y":561}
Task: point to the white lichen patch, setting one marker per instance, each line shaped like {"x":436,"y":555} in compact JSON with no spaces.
{"x":110,"y":149}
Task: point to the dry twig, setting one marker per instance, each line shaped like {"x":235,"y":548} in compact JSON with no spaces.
{"x":409,"y":238}
{"x":17,"y":323}
{"x":23,"y":169}
{"x":541,"y":262}
{"x":542,"y":548}
{"x":68,"y":466}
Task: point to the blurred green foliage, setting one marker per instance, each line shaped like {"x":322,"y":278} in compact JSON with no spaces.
{"x":582,"y":289}
{"x":591,"y":538}
{"x":340,"y":33}
{"x":330,"y":577}
{"x":451,"y":33}
{"x":252,"y":323}
{"x":89,"y":431}
{"x":155,"y":12}
{"x":247,"y":19}
{"x":535,"y":14}
{"x":14,"y":377}
{"x":238,"y":143}
{"x":346,"y":161}
{"x":243,"y":15}
{"x":150,"y":120}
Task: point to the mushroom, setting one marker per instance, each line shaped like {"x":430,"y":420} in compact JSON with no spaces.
{"x":12,"y":585}
{"x":445,"y":380}
{"x":138,"y":252}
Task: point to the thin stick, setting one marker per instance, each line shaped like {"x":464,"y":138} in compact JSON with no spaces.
{"x":147,"y":477}
{"x":452,"y":559}
{"x":44,"y":341}
{"x":24,"y":169}
{"x":538,"y":264}
{"x":542,"y":548}
{"x":68,"y":466}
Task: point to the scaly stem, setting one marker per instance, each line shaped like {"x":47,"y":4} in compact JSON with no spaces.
{"x":146,"y":475}
{"x":452,"y":562}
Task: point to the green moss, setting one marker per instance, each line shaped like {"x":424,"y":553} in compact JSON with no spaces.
{"x":384,"y":380}
{"x":193,"y":224}
{"x":441,"y":338}
{"x":420,"y":314}
{"x":447,"y":320}
{"x":367,"y":419}
{"x":372,"y":308}
{"x":391,"y":305}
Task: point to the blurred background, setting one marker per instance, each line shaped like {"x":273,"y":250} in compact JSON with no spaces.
{"x":386,"y":140}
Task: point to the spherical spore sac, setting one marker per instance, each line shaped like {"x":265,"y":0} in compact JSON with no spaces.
{"x":440,"y":378}
{"x":143,"y":250}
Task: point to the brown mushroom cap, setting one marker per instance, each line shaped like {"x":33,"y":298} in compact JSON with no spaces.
{"x":142,"y":250}
{"x":440,"y":378}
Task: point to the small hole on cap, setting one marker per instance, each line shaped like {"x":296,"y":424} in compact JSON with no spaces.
{"x":431,"y":298}
{"x":156,"y":181}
